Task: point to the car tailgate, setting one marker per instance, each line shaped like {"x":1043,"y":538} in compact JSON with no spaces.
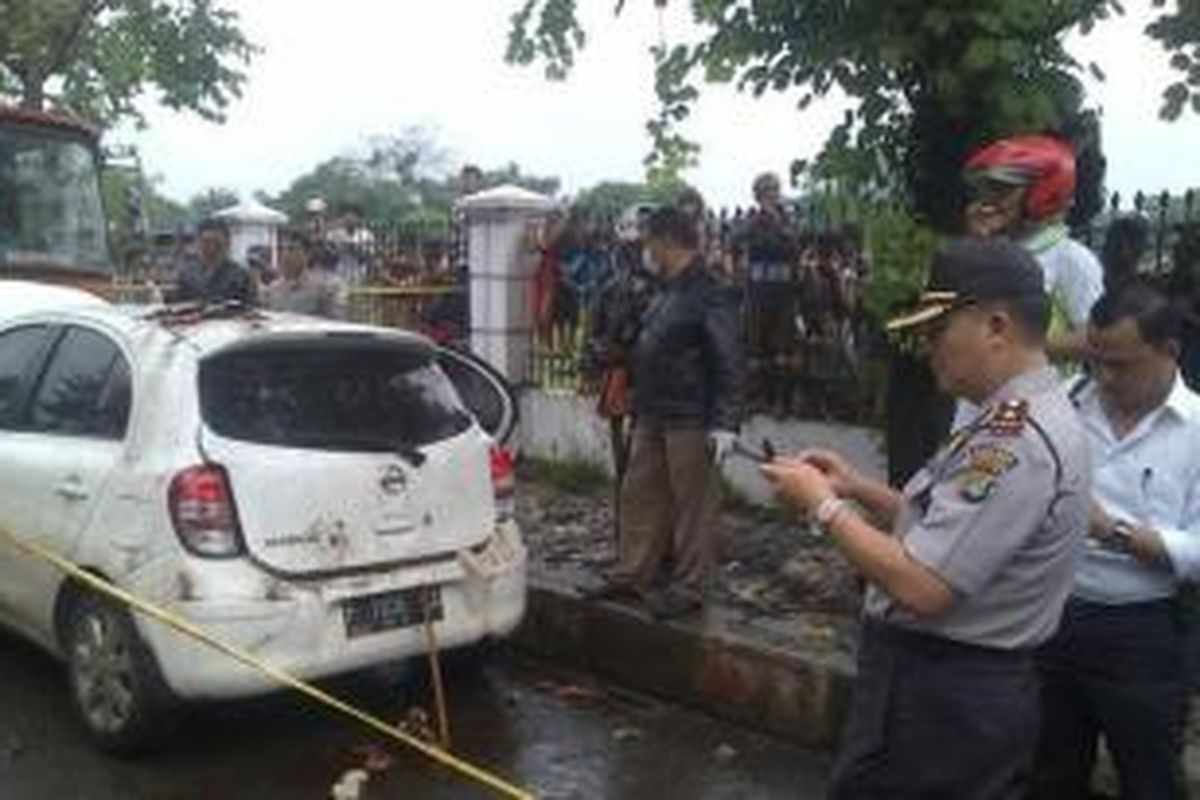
{"x":345,"y":454}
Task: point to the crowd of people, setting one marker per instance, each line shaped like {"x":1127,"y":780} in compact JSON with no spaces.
{"x":312,"y":270}
{"x":1024,"y":582}
{"x":799,"y":288}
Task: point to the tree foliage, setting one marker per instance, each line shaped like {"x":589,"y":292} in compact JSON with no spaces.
{"x":928,"y":79}
{"x":134,"y":206}
{"x":208,"y":202}
{"x":606,"y":200}
{"x":96,"y":57}
{"x":1179,"y":32}
{"x":395,"y":179}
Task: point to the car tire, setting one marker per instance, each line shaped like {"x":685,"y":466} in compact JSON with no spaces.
{"x":117,"y":691}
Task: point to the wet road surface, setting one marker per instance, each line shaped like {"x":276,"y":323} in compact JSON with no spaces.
{"x":553,"y":732}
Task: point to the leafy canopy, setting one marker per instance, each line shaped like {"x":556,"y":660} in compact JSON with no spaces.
{"x":928,"y":79}
{"x":395,"y":179}
{"x":96,"y":57}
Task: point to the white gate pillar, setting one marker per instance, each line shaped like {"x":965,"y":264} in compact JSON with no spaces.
{"x":501,"y":269}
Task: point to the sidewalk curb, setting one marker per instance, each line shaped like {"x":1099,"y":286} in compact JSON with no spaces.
{"x":713,"y":666}
{"x":707,"y":664}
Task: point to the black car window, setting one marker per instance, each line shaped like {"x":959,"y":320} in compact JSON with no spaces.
{"x":21,"y":352}
{"x":484,"y":392}
{"x":85,"y":391}
{"x":330,"y":394}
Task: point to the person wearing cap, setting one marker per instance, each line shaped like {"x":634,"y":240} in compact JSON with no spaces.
{"x":686,"y":375}
{"x":969,"y":566}
{"x":1117,"y":667}
{"x":1023,"y":188}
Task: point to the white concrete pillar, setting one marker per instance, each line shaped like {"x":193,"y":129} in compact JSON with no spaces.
{"x":501,"y":269}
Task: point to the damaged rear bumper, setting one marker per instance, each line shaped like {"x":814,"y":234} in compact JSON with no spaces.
{"x":299,"y":627}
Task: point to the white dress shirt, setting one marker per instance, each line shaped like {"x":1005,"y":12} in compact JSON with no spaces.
{"x":1073,"y":275}
{"x":1149,"y":478}
{"x":1074,"y":281}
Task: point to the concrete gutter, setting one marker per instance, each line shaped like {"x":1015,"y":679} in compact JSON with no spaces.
{"x":754,"y":676}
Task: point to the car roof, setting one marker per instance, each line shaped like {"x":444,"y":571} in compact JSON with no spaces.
{"x":206,"y":334}
{"x":18,"y":298}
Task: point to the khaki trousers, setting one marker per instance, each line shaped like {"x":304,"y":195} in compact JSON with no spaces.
{"x":669,"y":503}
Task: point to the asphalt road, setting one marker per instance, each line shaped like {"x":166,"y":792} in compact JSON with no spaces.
{"x":558,"y":734}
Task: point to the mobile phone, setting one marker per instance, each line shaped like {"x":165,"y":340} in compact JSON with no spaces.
{"x":767,"y":454}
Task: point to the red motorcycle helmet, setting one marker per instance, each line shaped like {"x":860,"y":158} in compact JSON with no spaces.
{"x":1043,"y":164}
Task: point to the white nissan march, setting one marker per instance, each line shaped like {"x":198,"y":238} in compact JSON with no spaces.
{"x":310,"y":491}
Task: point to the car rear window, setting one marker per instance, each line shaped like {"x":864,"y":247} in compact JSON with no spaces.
{"x":369,"y":396}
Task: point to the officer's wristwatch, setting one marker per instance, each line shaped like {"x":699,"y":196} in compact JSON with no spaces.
{"x":827,"y":509}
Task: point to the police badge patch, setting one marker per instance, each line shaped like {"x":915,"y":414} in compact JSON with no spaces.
{"x":985,"y":464}
{"x":1009,"y":418}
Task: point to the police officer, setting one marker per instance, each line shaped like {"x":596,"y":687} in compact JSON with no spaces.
{"x":981,"y":550}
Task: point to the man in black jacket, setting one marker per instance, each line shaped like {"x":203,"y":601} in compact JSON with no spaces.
{"x":215,"y":278}
{"x":687,"y":385}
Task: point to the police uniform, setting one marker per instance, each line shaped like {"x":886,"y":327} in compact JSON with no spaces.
{"x":947,"y":707}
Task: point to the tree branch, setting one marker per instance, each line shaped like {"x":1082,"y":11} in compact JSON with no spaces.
{"x":62,"y":51}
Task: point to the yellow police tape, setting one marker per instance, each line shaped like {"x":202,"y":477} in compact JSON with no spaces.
{"x":439,"y":755}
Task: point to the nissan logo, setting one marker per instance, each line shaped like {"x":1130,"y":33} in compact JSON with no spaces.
{"x":394,"y":481}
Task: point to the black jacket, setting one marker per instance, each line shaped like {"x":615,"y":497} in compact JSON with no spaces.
{"x":228,"y":282}
{"x":687,"y":361}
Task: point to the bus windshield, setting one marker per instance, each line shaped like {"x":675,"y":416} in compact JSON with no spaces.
{"x":51,"y":215}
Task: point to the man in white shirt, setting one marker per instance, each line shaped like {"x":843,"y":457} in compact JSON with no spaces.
{"x":1116,"y":667}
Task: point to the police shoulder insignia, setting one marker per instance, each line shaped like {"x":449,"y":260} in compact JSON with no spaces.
{"x":1009,"y":418}
{"x":986,"y":463}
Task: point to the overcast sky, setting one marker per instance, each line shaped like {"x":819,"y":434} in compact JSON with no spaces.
{"x":333,"y":74}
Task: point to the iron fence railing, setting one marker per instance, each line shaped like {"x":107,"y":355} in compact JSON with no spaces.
{"x":836,"y":370}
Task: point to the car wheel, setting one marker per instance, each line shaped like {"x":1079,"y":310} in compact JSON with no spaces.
{"x":116,"y":687}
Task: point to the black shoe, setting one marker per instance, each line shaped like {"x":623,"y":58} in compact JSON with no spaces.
{"x":609,"y":590}
{"x":671,"y":604}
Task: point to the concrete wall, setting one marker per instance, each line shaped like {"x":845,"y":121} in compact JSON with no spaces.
{"x":561,"y":426}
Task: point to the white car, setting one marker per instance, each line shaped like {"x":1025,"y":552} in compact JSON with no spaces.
{"x":307,"y":490}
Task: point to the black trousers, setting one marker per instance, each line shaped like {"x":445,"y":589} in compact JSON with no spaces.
{"x":933,"y":719}
{"x":1117,"y":671}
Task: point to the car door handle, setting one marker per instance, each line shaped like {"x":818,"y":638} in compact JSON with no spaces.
{"x":71,"y":488}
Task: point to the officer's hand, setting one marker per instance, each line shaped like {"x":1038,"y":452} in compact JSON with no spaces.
{"x":842,"y":476}
{"x":798,"y":481}
{"x":720,"y":444}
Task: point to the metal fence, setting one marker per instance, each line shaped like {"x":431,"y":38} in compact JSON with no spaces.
{"x":835,"y":365}
{"x":1167,"y":219}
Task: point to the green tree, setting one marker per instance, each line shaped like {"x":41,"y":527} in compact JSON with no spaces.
{"x":608,"y":199}
{"x":95,"y":57}
{"x":511,"y":173}
{"x":395,"y":180}
{"x":928,"y":79}
{"x":205,"y":203}
{"x":1178,"y":31}
{"x":134,"y":206}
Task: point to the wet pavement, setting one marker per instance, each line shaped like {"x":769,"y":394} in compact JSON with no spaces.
{"x":556,"y":733}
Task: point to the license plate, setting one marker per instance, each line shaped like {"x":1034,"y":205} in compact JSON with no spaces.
{"x":390,"y":610}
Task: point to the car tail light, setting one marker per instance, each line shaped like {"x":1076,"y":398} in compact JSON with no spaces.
{"x":203,"y":512}
{"x":504,"y":482}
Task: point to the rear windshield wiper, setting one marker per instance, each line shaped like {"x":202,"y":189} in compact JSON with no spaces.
{"x":411,"y":455}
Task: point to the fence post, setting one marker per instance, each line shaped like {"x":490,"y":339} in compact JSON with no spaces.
{"x":501,"y":267}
